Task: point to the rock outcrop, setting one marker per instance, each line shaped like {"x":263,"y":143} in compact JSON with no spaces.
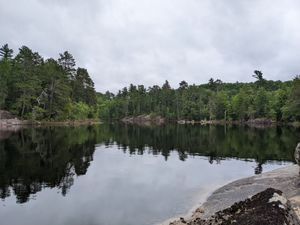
{"x":7,"y":120}
{"x":5,"y":115}
{"x":268,"y":207}
{"x":233,"y":200}
{"x":144,"y":120}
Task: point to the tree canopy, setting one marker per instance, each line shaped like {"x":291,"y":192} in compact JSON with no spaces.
{"x":34,"y":88}
{"x":215,"y":100}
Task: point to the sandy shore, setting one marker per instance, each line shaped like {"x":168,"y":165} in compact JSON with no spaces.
{"x":285,"y":179}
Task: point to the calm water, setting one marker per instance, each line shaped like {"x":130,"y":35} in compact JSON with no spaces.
{"x":116,"y":174}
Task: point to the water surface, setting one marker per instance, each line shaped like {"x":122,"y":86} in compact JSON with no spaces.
{"x":114,"y":174}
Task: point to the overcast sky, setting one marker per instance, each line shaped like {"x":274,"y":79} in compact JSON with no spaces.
{"x":150,"y":41}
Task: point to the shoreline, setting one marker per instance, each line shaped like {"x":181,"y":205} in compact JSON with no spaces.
{"x":252,"y":123}
{"x":285,"y":179}
{"x":191,"y":211}
{"x":148,"y":120}
{"x":14,"y":124}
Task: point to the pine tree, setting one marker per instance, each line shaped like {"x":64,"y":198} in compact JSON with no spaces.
{"x":68,"y":64}
{"x":5,"y":70}
{"x":26,"y":85}
{"x":84,"y":90}
{"x":56,"y":90}
{"x":6,"y":52}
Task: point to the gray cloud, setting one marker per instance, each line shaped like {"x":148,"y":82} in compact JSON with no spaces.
{"x":148,"y":41}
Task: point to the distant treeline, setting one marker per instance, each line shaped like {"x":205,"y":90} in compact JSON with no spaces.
{"x":34,"y":88}
{"x":276,"y":100}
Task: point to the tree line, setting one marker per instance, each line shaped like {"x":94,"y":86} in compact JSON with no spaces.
{"x":215,"y":100}
{"x":32,"y":87}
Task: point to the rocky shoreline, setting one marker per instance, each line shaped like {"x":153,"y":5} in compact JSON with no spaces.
{"x":144,"y":120}
{"x":13,"y":124}
{"x":159,"y":120}
{"x":261,"y":121}
{"x":265,"y":208}
{"x":241,"y":201}
{"x":10,"y":123}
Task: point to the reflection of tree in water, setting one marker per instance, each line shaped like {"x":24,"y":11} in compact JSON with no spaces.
{"x":215,"y":142}
{"x":258,"y":169}
{"x":36,"y":158}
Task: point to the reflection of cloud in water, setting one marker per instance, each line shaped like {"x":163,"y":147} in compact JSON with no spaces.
{"x":131,"y":190}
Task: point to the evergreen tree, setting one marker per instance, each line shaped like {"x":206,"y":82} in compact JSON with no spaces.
{"x":83,"y":89}
{"x":30,"y":88}
{"x":26,"y":84}
{"x":183,"y":85}
{"x":6,"y":52}
{"x":68,"y":64}
{"x":56,"y":90}
{"x":291,"y":110}
{"x":258,"y":75}
{"x":5,"y":70}
{"x":260,"y":79}
{"x":214,"y":100}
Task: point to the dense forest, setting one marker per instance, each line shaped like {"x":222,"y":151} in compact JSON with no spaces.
{"x":34,"y":88}
{"x":274,"y":100}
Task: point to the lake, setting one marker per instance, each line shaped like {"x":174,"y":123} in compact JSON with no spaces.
{"x":113,"y":174}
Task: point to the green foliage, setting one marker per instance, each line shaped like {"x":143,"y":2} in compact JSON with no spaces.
{"x":83,"y":87}
{"x":26,"y":83}
{"x":261,"y":103}
{"x":67,"y":62}
{"x":103,"y":106}
{"x":56,"y":89}
{"x":38,"y":113}
{"x":215,"y":100}
{"x":80,"y":111}
{"x":291,"y":110}
{"x":34,"y":88}
{"x":6,"y":52}
{"x":5,"y":70}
